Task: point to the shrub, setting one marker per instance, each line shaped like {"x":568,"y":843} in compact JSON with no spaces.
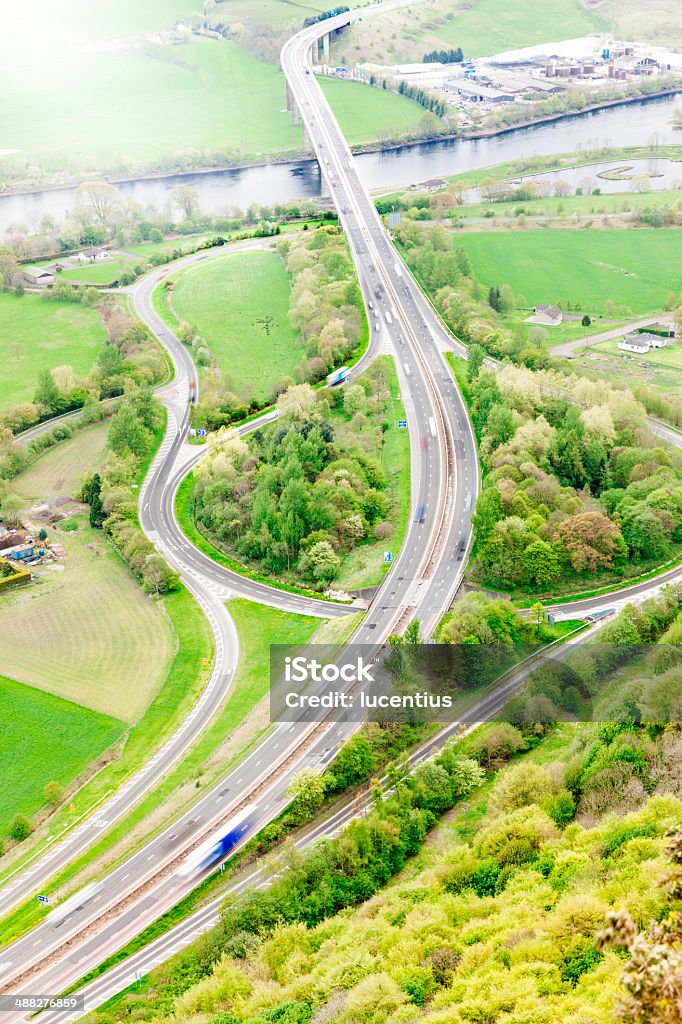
{"x":20,"y":827}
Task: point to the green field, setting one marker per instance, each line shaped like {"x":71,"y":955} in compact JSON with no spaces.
{"x":43,"y":737}
{"x":86,"y":632}
{"x":634,"y":269}
{"x":98,"y":273}
{"x":622,"y":203}
{"x":366,"y":113}
{"x":35,"y":334}
{"x":58,"y":472}
{"x":166,"y":105}
{"x":478,"y":26}
{"x":240,"y":304}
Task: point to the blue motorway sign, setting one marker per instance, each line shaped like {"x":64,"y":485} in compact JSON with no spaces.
{"x":388,"y":557}
{"x":402,"y":424}
{"x":43,"y":899}
{"x":201,"y":433}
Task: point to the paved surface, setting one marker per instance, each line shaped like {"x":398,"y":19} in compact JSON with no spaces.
{"x":421,"y":583}
{"x":569,"y":348}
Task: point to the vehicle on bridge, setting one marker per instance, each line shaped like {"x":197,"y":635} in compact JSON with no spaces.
{"x":219,"y":844}
{"x":338,"y":376}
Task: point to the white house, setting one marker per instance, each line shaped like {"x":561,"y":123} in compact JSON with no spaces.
{"x":643,"y":342}
{"x":93,"y":254}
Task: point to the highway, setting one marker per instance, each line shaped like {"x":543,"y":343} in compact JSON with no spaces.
{"x":423,"y":579}
{"x":421,"y":583}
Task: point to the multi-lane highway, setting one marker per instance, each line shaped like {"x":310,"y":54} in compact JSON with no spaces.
{"x":421,"y":583}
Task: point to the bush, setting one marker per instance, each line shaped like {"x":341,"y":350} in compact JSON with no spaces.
{"x":20,"y":827}
{"x":53,"y":793}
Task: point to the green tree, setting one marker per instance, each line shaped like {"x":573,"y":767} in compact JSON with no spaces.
{"x":97,"y":514}
{"x":489,"y":510}
{"x":47,"y":394}
{"x":53,"y":793}
{"x":541,"y":563}
{"x":307,"y":793}
{"x":20,"y":827}
{"x":322,"y":562}
{"x":475,"y":360}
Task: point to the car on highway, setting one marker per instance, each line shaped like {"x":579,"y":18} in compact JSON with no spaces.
{"x":421,"y":513}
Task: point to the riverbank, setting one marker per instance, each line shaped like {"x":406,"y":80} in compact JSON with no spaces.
{"x":303,"y":158}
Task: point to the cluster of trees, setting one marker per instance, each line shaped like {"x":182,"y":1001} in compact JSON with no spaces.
{"x":575,"y":487}
{"x":479,"y":619}
{"x":313,"y":19}
{"x":451,"y":56}
{"x":111,"y":494}
{"x":101,"y":214}
{"x":326,"y":308}
{"x":295,"y":499}
{"x":506,"y":921}
{"x":424,"y":98}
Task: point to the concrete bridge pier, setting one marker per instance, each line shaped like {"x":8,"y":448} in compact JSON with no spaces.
{"x":325,"y":48}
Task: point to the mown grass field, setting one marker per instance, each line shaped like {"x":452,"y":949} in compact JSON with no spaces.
{"x":58,"y":473}
{"x":42,"y":738}
{"x":240,"y":304}
{"x":366,"y":113}
{"x":87,"y":633}
{"x":35,"y":334}
{"x":636,"y":270}
{"x":575,"y":206}
{"x":98,"y":273}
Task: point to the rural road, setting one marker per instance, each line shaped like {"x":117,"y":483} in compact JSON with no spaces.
{"x":569,"y":348}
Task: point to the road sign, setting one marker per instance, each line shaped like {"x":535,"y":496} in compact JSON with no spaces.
{"x":43,"y":899}
{"x":388,"y":557}
{"x":192,"y":432}
{"x":402,"y":424}
{"x":201,"y":433}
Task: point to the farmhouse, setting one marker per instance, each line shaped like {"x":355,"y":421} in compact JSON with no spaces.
{"x":38,"y":277}
{"x":94,"y":253}
{"x":643,"y":342}
{"x":548,"y":316}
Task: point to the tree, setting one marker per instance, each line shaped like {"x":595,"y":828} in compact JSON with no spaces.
{"x":644,"y":533}
{"x":53,"y":793}
{"x":354,"y":399}
{"x":47,"y":395}
{"x":297,"y":402}
{"x":355,"y":762}
{"x":586,"y":321}
{"x":541,"y":563}
{"x":127,"y":433}
{"x":93,"y":495}
{"x":20,"y":827}
{"x":322,"y":562}
{"x":500,"y":426}
{"x":157,"y":576}
{"x":99,"y":199}
{"x":186,"y":199}
{"x":475,"y":360}
{"x":652,"y":978}
{"x":489,"y":510}
{"x":306,"y":790}
{"x":591,"y":541}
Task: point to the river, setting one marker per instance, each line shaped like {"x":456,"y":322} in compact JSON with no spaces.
{"x":628,"y":125}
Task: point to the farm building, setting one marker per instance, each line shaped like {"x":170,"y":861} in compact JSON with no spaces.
{"x":643,"y":342}
{"x":38,"y":277}
{"x":548,"y":316}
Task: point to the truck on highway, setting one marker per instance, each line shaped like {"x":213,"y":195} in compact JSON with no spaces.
{"x":421,"y":513}
{"x":432,"y":426}
{"x":219,"y":844}
{"x":389,"y":318}
{"x":338,"y":376}
{"x":398,"y":270}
